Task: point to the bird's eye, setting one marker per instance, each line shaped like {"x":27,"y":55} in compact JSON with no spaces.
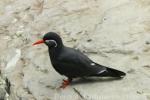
{"x":51,"y":41}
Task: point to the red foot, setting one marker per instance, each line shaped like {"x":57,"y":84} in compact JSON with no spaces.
{"x":65,"y":84}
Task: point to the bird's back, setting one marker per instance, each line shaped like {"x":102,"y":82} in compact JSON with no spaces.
{"x":73,"y":63}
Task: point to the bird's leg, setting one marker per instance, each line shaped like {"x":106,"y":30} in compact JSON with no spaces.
{"x":66,"y":83}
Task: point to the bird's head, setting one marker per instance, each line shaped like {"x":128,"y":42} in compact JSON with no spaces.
{"x":51,"y":39}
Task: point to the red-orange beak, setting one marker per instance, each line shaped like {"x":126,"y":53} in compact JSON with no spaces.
{"x":38,"y":42}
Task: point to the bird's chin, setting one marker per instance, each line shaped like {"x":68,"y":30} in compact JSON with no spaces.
{"x":50,"y":47}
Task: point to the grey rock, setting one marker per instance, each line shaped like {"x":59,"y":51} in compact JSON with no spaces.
{"x":112,"y":33}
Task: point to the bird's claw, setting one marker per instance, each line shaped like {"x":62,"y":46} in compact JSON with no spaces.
{"x":65,"y":84}
{"x":65,"y":81}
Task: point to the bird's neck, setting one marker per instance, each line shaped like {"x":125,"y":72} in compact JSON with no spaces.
{"x":54,"y":52}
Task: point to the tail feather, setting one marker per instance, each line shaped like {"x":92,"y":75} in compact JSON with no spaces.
{"x":110,"y":72}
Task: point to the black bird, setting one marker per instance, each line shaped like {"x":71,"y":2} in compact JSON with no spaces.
{"x":72,"y":63}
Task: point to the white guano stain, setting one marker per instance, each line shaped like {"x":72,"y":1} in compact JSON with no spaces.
{"x":11,"y":64}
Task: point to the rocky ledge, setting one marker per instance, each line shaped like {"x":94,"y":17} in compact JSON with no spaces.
{"x":113,"y":33}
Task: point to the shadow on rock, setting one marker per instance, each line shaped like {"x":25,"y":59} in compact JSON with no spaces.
{"x":93,"y":80}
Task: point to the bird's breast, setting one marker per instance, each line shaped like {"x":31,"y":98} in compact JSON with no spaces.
{"x":57,"y":66}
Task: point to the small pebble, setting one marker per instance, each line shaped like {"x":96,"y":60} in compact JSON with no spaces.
{"x":147,"y":42}
{"x":89,"y":40}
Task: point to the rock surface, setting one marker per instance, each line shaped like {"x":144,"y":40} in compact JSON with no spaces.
{"x":114,"y":33}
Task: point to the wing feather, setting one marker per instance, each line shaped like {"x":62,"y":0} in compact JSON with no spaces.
{"x":76,"y":64}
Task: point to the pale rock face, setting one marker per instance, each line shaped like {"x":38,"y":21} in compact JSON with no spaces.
{"x":113,"y":33}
